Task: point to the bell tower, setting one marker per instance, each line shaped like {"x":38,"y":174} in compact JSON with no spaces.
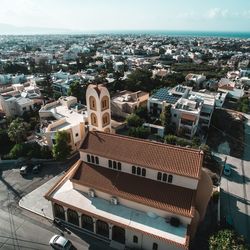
{"x":98,"y":107}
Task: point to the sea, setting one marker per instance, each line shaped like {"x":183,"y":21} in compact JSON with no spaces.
{"x":222,"y":34}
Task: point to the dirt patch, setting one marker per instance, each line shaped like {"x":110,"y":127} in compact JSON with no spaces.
{"x":227,"y":126}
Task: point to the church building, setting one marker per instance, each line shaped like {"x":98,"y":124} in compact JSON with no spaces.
{"x":131,"y":192}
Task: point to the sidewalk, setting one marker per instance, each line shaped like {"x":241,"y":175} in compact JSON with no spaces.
{"x":36,"y":203}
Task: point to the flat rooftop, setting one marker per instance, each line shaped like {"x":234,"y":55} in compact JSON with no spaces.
{"x":72,"y":117}
{"x":146,"y":222}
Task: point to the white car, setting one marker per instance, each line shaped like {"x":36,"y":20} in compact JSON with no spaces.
{"x":59,"y":242}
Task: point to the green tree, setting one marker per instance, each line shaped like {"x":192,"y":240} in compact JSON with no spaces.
{"x":77,"y":90}
{"x":17,"y":151}
{"x":165,"y":118}
{"x":134,"y":120}
{"x":170,"y":139}
{"x":18,"y":130}
{"x":226,"y":239}
{"x":61,"y":149}
{"x":139,"y":132}
{"x":140,"y":79}
{"x":142,"y":112}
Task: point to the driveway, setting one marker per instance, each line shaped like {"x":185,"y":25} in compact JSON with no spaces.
{"x":235,"y":189}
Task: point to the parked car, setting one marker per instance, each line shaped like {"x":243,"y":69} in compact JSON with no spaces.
{"x":37,"y":168}
{"x":59,"y":242}
{"x":227,"y":170}
{"x":25,"y":169}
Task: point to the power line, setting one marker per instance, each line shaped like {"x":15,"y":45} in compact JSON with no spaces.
{"x":245,"y":144}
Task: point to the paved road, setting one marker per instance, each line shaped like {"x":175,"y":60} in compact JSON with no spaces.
{"x":21,"y":229}
{"x":235,"y":197}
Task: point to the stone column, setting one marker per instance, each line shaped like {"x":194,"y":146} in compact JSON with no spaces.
{"x":66,"y":214}
{"x":80,"y":219}
{"x":94,"y":225}
{"x":110,"y":231}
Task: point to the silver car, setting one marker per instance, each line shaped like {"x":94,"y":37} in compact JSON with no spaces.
{"x":59,"y":242}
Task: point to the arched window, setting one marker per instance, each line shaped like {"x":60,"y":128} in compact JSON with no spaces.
{"x":138,"y":171}
{"x":170,"y":178}
{"x":165,"y":176}
{"x":119,"y":166}
{"x":105,"y":103}
{"x":105,"y":119}
{"x":155,"y":246}
{"x":73,"y":217}
{"x":92,"y":102}
{"x":102,"y":228}
{"x":114,"y":165}
{"x":110,"y":164}
{"x":135,"y":239}
{"x":59,"y":211}
{"x":87,"y":222}
{"x":133,"y":170}
{"x":88,"y":158}
{"x":92,"y":159}
{"x":93,"y":118}
{"x":143,"y":172}
{"x":97,"y":160}
{"x":159,"y":175}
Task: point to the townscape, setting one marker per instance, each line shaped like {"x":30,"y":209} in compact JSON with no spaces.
{"x":124,"y":141}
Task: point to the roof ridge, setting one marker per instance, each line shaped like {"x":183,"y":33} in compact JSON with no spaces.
{"x":149,"y":142}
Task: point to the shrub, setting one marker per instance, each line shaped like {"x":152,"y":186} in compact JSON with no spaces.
{"x":170,"y":139}
{"x":226,"y":239}
{"x":134,"y":120}
{"x":139,"y":132}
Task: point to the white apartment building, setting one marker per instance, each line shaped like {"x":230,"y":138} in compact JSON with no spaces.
{"x":65,"y":114}
{"x":165,"y":96}
{"x":193,"y":112}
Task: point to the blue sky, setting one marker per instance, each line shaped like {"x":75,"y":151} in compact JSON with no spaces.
{"x":92,"y":15}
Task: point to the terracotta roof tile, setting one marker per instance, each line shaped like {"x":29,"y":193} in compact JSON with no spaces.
{"x":158,"y":156}
{"x":156,"y":194}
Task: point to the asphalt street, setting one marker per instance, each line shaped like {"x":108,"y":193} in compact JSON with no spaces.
{"x":235,"y":190}
{"x":21,"y":229}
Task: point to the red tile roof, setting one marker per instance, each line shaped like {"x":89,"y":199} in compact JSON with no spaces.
{"x":167,"y":197}
{"x":158,"y":156}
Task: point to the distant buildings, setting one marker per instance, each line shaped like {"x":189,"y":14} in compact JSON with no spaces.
{"x":19,"y":98}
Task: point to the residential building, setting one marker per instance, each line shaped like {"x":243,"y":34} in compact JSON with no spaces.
{"x":195,"y":78}
{"x":165,"y":96}
{"x":125,"y":102}
{"x":64,"y":115}
{"x":134,"y":193}
{"x":15,"y":105}
{"x":191,"y":113}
